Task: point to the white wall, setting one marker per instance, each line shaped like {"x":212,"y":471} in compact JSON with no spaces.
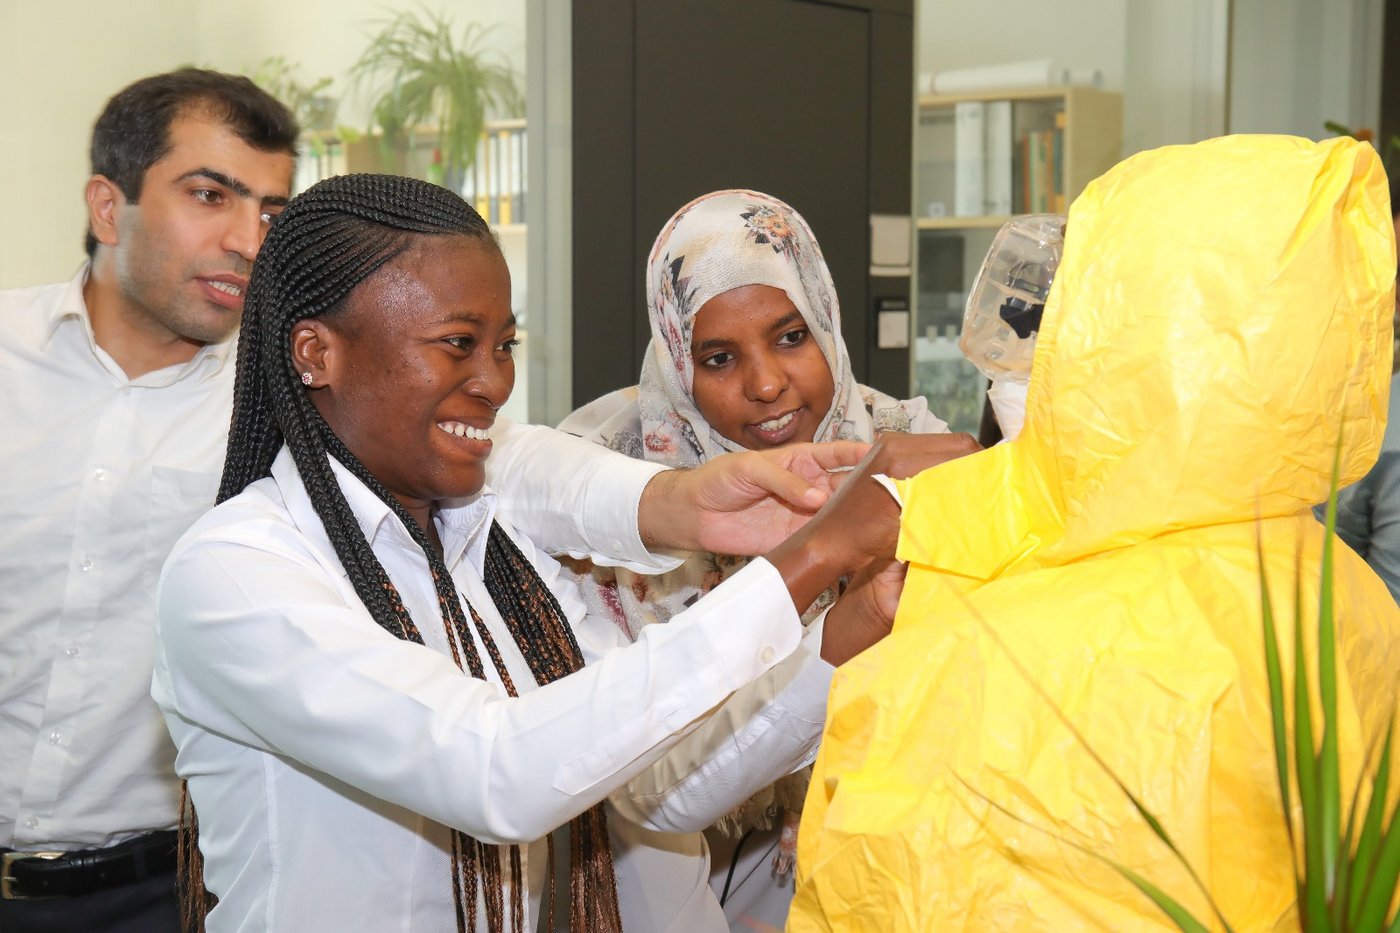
{"x":61,"y":61}
{"x":1167,"y":57}
{"x":957,"y":34}
{"x":1188,"y":69}
{"x":1295,"y":64}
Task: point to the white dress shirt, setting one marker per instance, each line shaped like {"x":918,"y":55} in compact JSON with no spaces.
{"x":327,"y":757}
{"x":99,"y":475}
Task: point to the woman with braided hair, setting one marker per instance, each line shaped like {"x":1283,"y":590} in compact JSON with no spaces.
{"x":384,"y":699}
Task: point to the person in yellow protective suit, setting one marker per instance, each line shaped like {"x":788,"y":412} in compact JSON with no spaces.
{"x":1221,"y":314}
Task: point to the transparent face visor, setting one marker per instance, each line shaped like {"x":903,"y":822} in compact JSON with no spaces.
{"x":1008,"y":296}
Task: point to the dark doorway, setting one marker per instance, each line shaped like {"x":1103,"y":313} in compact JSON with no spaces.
{"x":808,"y":101}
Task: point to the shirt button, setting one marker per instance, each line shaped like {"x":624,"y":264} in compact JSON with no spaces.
{"x":766,"y":655}
{"x":86,"y":565}
{"x":31,"y":823}
{"x":55,"y":737}
{"x":71,"y":650}
{"x":99,"y":474}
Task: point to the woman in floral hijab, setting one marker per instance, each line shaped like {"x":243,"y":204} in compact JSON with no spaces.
{"x":711,"y":253}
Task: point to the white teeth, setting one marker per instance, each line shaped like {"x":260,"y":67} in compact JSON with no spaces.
{"x":777,"y":424}
{"x":464,"y":430}
{"x":227,"y":289}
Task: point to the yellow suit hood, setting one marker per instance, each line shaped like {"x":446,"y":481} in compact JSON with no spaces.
{"x":1221,"y":316}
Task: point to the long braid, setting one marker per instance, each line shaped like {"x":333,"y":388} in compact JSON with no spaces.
{"x":329,"y":240}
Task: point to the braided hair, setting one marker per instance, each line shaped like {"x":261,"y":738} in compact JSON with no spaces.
{"x":330,"y":239}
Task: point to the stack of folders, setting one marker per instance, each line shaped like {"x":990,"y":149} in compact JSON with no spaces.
{"x":497,"y":182}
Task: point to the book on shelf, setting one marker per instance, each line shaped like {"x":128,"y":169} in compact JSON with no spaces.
{"x":997,"y":148}
{"x":996,"y":172}
{"x":1057,"y":163}
{"x":969,"y":140}
{"x":1038,"y":177}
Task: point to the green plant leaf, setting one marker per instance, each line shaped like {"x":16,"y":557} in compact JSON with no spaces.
{"x":1328,"y":768}
{"x":1380,"y":891}
{"x":424,"y":74}
{"x":1312,"y":895}
{"x":1278,"y":711}
{"x":1179,"y":915}
{"x":1363,"y":863}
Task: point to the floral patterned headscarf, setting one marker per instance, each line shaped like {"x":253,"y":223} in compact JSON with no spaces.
{"x":718,"y":242}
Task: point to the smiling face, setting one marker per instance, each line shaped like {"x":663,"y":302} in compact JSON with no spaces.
{"x":410,"y":372}
{"x":760,"y":378}
{"x":183,"y":252}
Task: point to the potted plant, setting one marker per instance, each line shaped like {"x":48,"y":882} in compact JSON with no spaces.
{"x":308,"y":102}
{"x":421,"y":72}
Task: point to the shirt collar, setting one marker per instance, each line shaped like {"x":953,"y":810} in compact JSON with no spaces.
{"x":72,"y":310}
{"x":463,"y":524}
{"x":70,"y":307}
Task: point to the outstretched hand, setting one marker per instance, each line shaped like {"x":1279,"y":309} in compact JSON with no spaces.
{"x":743,"y":503}
{"x":860,"y":523}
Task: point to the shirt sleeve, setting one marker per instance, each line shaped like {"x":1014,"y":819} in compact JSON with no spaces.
{"x":1383,"y":546}
{"x":763,"y":732}
{"x":572,"y":496}
{"x":1354,"y":505}
{"x":257,"y":645}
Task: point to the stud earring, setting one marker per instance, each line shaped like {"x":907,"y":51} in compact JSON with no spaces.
{"x":306,"y":378}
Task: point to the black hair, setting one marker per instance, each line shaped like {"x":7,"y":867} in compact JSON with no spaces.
{"x":327,"y":242}
{"x":133,"y":131}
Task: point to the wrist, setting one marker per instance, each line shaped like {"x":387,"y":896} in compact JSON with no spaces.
{"x":807,"y":565}
{"x":665,"y":517}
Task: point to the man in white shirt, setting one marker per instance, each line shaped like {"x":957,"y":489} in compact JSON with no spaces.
{"x":117,"y":387}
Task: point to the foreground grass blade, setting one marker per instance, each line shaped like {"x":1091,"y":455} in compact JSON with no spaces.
{"x":1328,"y":770}
{"x":1363,"y":864}
{"x":1183,"y":918}
{"x":1277,"y":708}
{"x":1313,"y":901}
{"x":1381,"y":889}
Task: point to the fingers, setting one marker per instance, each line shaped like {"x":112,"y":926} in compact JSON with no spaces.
{"x":773,"y":475}
{"x":904,"y":455}
{"x":835,"y":455}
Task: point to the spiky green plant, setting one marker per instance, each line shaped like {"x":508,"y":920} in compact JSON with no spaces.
{"x":423,"y":72}
{"x":1350,"y":875}
{"x":307,"y":100}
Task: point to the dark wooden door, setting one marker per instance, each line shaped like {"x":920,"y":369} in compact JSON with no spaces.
{"x":808,"y":101}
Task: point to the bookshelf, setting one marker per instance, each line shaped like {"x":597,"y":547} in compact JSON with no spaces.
{"x":496,"y":184}
{"x":981,"y":157}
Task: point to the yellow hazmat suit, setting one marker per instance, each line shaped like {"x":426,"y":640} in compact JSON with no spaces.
{"x":1222,"y":312}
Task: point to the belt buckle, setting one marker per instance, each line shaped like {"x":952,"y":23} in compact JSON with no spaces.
{"x":7,"y":881}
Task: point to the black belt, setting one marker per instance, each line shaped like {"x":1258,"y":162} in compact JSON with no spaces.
{"x":32,"y":875}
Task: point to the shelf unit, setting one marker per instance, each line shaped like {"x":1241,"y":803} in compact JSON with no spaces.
{"x":980,"y":158}
{"x":496,"y":184}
